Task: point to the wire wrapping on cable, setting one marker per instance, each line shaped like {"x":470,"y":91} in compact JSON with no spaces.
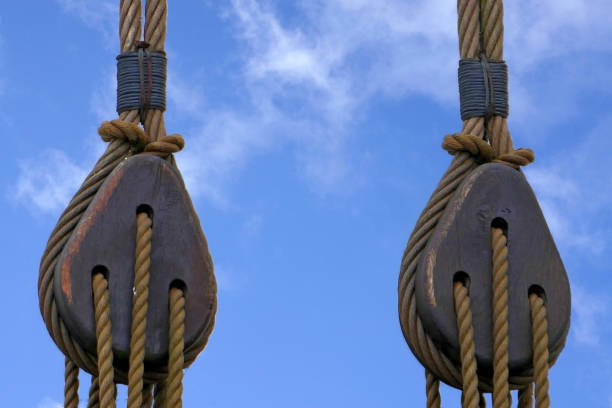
{"x":483,"y":88}
{"x":141,"y":80}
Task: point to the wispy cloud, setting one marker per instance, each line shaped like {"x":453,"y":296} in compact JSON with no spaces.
{"x":49,"y":403}
{"x":573,"y":190}
{"x":306,"y":85}
{"x":101,"y":15}
{"x":590,"y":311}
{"x":46,"y":183}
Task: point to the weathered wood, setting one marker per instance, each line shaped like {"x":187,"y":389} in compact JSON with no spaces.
{"x":462,"y":243}
{"x":105,"y":239}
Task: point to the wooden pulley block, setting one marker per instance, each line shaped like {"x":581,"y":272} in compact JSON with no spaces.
{"x":104,"y":241}
{"x":460,"y":248}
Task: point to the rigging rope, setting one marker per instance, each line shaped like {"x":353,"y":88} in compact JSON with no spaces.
{"x":125,"y":138}
{"x":482,"y":139}
{"x":142,"y":256}
{"x":106,"y":381}
{"x":501,"y":390}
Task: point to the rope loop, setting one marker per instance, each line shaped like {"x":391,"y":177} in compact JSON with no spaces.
{"x":118,"y":129}
{"x":517,"y":158}
{"x":123,"y":130}
{"x":476,"y":146}
{"x":483,"y":152}
{"x":165,"y":145}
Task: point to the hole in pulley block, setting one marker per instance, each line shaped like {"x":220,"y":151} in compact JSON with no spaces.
{"x":537,"y":290}
{"x":500,"y":223}
{"x":100,"y":269}
{"x":145,"y":208}
{"x":178,"y":284}
{"x":463,"y":278}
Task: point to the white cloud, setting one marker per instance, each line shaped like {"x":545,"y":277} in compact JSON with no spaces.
{"x":49,"y":403}
{"x":574,"y":191}
{"x":589,"y":311}
{"x":101,"y":15}
{"x":47,"y":182}
{"x":229,"y":280}
{"x":307,"y":84}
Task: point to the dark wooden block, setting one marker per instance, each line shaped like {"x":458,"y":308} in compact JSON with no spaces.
{"x":462,"y":243}
{"x":106,"y":237}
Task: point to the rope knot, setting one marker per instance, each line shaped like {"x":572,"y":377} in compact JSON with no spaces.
{"x":483,"y":152}
{"x":122,"y":130}
{"x":165,"y":146}
{"x":516,"y":158}
{"x":476,"y":146}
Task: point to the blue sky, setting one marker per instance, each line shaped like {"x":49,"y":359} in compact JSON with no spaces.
{"x":313,"y":134}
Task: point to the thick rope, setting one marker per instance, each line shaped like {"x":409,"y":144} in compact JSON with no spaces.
{"x":432,"y":390}
{"x":420,"y":343}
{"x":139,"y":309}
{"x":539,"y":328}
{"x":174,"y":384}
{"x":471,"y":396}
{"x":94,"y":393}
{"x":156,"y":13}
{"x":104,"y":341}
{"x":130,"y":32}
{"x":71,"y":384}
{"x":501,"y":390}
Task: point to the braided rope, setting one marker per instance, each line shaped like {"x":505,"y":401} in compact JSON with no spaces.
{"x":176,"y":363}
{"x":539,"y":328}
{"x":104,"y":341}
{"x":94,"y":393}
{"x":501,"y":389}
{"x":432,"y":390}
{"x":471,"y":396}
{"x":139,"y":310}
{"x":71,"y":384}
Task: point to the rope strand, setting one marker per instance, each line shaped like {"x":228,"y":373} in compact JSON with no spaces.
{"x":539,"y":328}
{"x":501,"y":389}
{"x":71,"y":384}
{"x":176,"y":345}
{"x":139,"y":309}
{"x":104,"y":344}
{"x":471,"y":396}
{"x":432,"y":390}
{"x":94,"y":393}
